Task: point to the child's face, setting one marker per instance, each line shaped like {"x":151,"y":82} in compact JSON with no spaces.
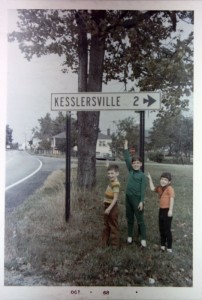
{"x":136,"y":165}
{"x":112,"y":175}
{"x":164,"y":181}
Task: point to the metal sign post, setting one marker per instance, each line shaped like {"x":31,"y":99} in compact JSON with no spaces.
{"x":142,"y":137}
{"x":68,"y":166}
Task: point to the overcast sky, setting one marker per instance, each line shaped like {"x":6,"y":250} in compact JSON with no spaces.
{"x":29,"y":88}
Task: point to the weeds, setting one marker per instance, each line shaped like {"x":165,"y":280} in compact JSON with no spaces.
{"x":70,"y":253}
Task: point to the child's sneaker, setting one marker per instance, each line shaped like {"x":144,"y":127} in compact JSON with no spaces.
{"x":169,"y":250}
{"x":129,"y":240}
{"x":163,"y":248}
{"x":143,"y":243}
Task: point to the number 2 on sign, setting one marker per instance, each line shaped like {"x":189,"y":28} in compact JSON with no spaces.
{"x":136,"y":99}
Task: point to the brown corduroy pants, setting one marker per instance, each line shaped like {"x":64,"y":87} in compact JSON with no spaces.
{"x":111,"y":228}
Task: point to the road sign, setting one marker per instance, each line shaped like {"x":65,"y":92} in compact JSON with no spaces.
{"x":105,"y":101}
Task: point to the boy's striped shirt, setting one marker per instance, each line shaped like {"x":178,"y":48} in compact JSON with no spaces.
{"x":112,"y":188}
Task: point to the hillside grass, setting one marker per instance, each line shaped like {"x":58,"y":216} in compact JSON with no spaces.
{"x":36,"y":235}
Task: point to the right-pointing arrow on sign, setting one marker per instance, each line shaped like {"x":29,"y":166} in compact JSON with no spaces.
{"x":150,"y":100}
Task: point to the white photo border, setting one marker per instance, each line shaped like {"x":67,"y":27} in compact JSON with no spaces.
{"x":49,"y":293}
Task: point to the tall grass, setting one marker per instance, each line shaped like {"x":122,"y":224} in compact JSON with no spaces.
{"x":70,"y":253}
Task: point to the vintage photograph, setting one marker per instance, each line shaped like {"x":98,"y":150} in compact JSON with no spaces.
{"x":99,"y":150}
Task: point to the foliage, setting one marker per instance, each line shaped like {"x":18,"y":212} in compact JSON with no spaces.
{"x":139,"y":46}
{"x":49,"y":127}
{"x":143,"y":46}
{"x":128,"y":129}
{"x":9,"y":137}
{"x":171,"y":72}
{"x":153,"y":56}
{"x":156,"y":156}
{"x":173,"y":133}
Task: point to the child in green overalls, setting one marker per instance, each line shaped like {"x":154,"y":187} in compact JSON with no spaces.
{"x":135,"y":193}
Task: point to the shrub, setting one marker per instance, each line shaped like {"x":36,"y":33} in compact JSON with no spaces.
{"x":156,"y":156}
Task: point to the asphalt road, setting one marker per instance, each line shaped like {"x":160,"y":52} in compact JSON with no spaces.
{"x":26,"y":173}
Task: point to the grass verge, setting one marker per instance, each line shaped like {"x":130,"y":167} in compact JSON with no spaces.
{"x":38,"y":238}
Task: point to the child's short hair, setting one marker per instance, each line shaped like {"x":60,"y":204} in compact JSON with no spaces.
{"x":113,"y":168}
{"x":136,"y":158}
{"x":166,"y":175}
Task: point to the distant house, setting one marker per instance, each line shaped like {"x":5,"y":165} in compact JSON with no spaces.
{"x":35,"y":143}
{"x":58,"y":139}
{"x":103,"y":146}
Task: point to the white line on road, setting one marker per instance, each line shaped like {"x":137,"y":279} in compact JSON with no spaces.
{"x":25,"y":178}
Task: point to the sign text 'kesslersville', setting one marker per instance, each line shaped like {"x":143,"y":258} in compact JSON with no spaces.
{"x":105,"y":101}
{"x":87,"y":102}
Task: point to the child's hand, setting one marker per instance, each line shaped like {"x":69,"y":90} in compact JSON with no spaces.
{"x":140,"y":206}
{"x":125,"y":144}
{"x":170,"y":213}
{"x":107,"y":211}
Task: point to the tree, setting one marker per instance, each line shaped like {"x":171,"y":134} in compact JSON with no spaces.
{"x":49,"y":127}
{"x":128,"y":129}
{"x":30,"y":142}
{"x":9,"y":136}
{"x":109,"y":45}
{"x":187,"y":137}
{"x":59,"y":123}
{"x":174,"y":133}
{"x":45,"y":132}
{"x":172,"y":73}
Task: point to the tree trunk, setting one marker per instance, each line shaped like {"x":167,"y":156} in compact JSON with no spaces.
{"x":88,"y":122}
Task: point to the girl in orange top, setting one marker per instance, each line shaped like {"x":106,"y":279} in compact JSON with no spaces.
{"x":166,"y":195}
